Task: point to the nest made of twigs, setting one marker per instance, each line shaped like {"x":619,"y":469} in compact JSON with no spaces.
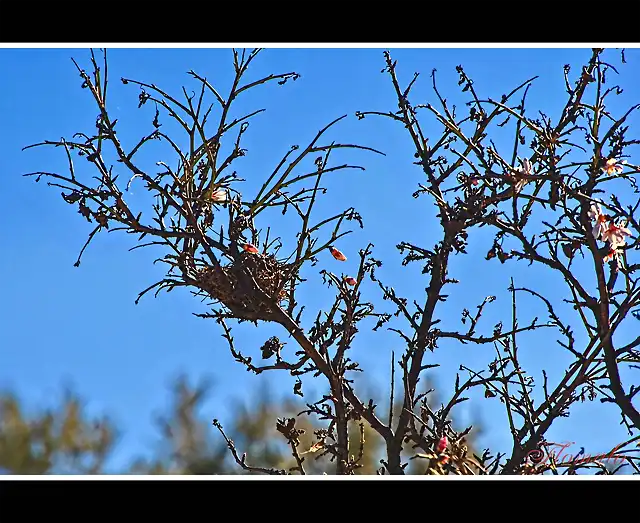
{"x":232,"y":286}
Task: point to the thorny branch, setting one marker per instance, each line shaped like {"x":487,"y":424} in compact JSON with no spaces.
{"x":473,"y":185}
{"x":209,"y":230}
{"x":541,"y":193}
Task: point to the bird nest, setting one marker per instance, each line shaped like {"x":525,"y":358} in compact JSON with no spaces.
{"x":232,"y":285}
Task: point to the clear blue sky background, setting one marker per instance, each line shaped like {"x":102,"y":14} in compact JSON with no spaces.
{"x":60,"y":324}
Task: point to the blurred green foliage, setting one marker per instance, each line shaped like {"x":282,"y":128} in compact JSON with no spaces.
{"x":67,"y":440}
{"x":62,"y":440}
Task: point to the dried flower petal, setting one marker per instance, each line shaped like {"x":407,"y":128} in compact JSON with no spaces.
{"x":350,"y":281}
{"x":248,"y":247}
{"x":315,"y":447}
{"x":337,"y":254}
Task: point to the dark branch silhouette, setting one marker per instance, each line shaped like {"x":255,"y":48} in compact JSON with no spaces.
{"x":549,"y":195}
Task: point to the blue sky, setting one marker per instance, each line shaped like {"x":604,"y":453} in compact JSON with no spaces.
{"x":60,"y":324}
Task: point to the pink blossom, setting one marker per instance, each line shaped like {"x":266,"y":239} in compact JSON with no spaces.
{"x":250,"y":248}
{"x":613,"y":254}
{"x":337,"y":254}
{"x":615,"y":234}
{"x":613,"y":166}
{"x":594,"y":211}
{"x":442,"y":444}
{"x":601,"y":226}
{"x":526,"y":166}
{"x":219,"y":196}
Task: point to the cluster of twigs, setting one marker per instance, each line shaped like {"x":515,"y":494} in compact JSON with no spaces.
{"x":474,"y":184}
{"x":214,"y":247}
